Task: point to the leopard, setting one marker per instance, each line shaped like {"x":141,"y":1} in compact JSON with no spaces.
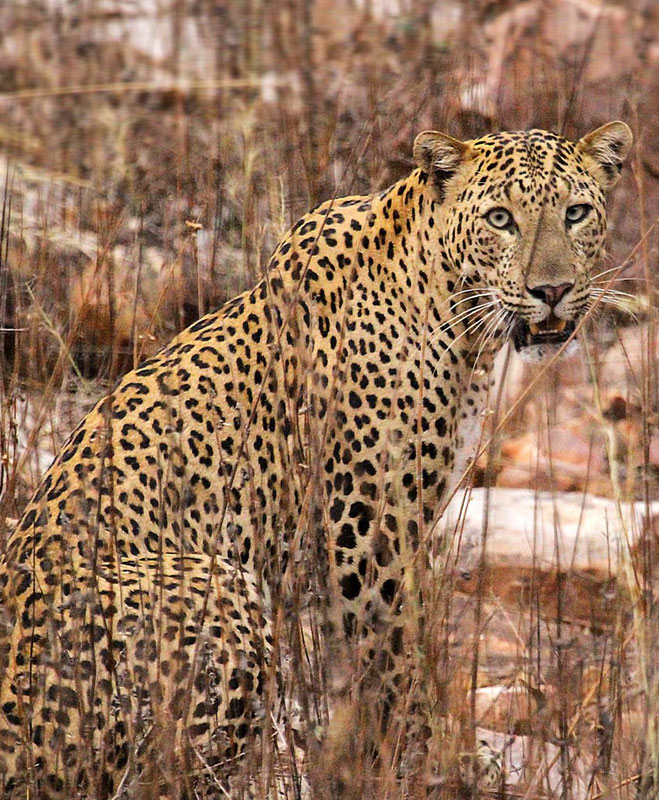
{"x":295,"y":446}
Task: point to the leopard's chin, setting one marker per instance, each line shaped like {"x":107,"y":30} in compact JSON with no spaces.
{"x":536,"y":341}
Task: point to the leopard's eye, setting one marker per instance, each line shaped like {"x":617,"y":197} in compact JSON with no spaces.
{"x":500,"y":218}
{"x":577,"y":213}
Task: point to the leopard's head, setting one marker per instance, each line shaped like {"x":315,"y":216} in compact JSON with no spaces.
{"x":523,"y":221}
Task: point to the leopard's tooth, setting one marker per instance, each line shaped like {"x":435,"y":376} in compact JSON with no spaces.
{"x":560,"y":327}
{"x":535,"y":329}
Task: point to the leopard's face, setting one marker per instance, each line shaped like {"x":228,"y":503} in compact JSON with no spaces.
{"x":525,"y":221}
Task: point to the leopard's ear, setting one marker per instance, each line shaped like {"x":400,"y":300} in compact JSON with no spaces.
{"x":608,"y":146}
{"x":440,"y":155}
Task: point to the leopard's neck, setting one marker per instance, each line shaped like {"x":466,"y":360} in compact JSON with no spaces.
{"x":423,"y":263}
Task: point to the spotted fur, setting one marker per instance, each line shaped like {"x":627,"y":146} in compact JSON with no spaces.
{"x":323,"y":412}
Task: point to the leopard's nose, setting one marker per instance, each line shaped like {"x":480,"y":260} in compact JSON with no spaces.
{"x":551,"y":295}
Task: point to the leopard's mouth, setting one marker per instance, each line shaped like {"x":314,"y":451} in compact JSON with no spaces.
{"x":551,"y":330}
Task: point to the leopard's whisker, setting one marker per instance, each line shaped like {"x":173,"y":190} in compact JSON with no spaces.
{"x":488,"y":335}
{"x":609,"y":295}
{"x":471,"y":311}
{"x":599,"y":292}
{"x":510,"y":326}
{"x":461,"y":318}
{"x":619,"y":268}
{"x":466,"y":319}
{"x":472,"y":292}
{"x":493,"y":318}
{"x":473,"y":326}
{"x":478,"y":323}
{"x":468,"y":294}
{"x":467,"y":299}
{"x":476,"y":307}
{"x":618,"y":305}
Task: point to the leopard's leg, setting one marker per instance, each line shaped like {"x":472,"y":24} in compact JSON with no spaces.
{"x":152,"y":671}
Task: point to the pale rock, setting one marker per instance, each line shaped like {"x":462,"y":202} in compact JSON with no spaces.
{"x":570,"y":552}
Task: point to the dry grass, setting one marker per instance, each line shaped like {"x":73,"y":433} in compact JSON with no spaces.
{"x":151,"y":159}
